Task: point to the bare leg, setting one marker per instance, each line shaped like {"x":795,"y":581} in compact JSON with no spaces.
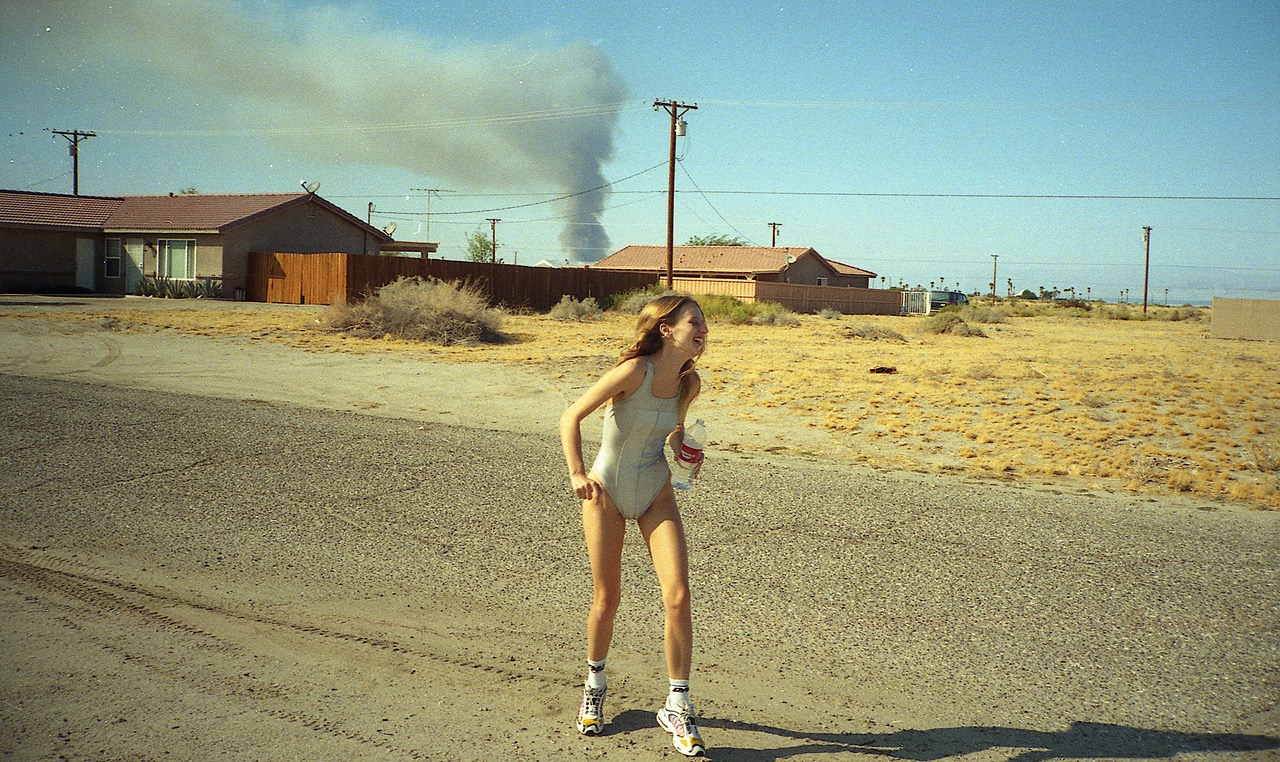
{"x":604,"y":529}
{"x":663,"y":532}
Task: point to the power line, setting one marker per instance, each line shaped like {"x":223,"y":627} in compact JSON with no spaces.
{"x":535,"y":203}
{"x":1004,"y":105}
{"x":713,"y":206}
{"x":38,"y":183}
{"x":1085,"y":197}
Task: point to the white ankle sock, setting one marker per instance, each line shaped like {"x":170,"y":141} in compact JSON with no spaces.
{"x":595,"y":674}
{"x":679,"y":694}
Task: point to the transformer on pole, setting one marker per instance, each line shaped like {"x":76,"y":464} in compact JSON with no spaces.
{"x":678,"y":128}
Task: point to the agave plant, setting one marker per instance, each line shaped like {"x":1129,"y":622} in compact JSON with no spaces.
{"x":209,"y":288}
{"x":149,"y":287}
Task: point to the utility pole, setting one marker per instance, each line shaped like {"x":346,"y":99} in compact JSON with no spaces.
{"x":677,"y":128}
{"x":995,"y":260}
{"x":429,"y":191}
{"x":775,"y":226}
{"x":1146,"y":271}
{"x":493,"y":237}
{"x":74,"y":137}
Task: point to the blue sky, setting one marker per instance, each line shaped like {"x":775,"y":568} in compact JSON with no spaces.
{"x":914,"y":139}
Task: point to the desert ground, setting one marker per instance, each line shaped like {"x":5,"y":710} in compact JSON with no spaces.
{"x":227,"y":534}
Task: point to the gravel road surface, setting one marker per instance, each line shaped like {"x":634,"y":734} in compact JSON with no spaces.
{"x":189,"y":578}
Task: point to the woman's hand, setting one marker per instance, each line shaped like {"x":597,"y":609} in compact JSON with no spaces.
{"x":585,"y":487}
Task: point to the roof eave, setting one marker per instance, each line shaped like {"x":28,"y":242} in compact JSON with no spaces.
{"x":54,"y":227}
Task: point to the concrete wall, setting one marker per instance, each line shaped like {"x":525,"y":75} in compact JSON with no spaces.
{"x":1255,"y":319}
{"x":799,"y":297}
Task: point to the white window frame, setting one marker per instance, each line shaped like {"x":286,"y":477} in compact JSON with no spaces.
{"x":113,"y":259}
{"x":163,"y":254}
{"x":822,"y":281}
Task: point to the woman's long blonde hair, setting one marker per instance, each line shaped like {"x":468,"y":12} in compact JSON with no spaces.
{"x":664,"y":310}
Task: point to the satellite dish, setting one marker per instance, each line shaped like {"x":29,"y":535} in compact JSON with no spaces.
{"x":390,"y":228}
{"x":309,"y":187}
{"x":790,"y":259}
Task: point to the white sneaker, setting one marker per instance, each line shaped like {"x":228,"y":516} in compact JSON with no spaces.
{"x":591,"y":714}
{"x":683,"y":726}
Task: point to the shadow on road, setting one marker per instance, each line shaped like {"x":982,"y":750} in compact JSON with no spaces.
{"x":1083,"y":740}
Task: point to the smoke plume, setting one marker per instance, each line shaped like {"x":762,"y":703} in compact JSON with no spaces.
{"x":348,"y":85}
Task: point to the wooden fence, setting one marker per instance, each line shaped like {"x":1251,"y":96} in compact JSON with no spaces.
{"x":328,"y":278}
{"x":800,"y":298}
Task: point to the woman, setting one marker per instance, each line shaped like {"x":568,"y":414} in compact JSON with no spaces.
{"x":648,"y":393}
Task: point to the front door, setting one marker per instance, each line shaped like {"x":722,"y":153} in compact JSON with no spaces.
{"x":132,"y":265}
{"x":86,"y":272}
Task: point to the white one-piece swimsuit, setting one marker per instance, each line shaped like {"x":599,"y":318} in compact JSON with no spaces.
{"x":632,"y":463}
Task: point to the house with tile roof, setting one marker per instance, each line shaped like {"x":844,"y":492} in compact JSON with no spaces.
{"x":54,"y":242}
{"x":774,"y":264}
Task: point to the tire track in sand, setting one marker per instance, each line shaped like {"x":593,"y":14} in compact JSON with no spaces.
{"x":203,"y":646}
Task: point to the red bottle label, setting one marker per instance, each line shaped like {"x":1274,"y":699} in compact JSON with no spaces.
{"x":690,"y":455}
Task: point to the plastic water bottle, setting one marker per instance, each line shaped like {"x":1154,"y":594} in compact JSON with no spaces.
{"x":689,"y":457}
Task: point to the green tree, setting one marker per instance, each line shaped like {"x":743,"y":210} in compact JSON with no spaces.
{"x":715,"y":240}
{"x":480,"y":246}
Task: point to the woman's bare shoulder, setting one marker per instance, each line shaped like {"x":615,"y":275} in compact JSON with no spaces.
{"x":629,"y":374}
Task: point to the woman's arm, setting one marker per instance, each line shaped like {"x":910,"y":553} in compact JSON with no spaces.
{"x":677,"y":437}
{"x":617,"y":384}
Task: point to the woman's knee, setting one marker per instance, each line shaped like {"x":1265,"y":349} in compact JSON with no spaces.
{"x":676,"y":599}
{"x":605,"y":602}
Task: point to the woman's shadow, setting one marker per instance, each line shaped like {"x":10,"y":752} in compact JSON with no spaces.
{"x":1082,"y":740}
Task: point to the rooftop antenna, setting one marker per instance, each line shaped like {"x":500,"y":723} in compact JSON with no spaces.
{"x":430,"y":192}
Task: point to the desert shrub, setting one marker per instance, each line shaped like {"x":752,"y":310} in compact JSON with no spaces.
{"x":1178,"y":314}
{"x":874,"y":333}
{"x":633,"y":300}
{"x":728,"y":309}
{"x":829,"y":314}
{"x":421,"y":309}
{"x":1115,"y":312}
{"x":772,"y":313}
{"x":983,"y":315}
{"x":952,"y":323}
{"x":571,"y":309}
{"x":724,"y":308}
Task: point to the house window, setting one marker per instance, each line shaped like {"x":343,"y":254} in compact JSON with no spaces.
{"x":177,"y":259}
{"x":822,"y":281}
{"x":111,"y":265}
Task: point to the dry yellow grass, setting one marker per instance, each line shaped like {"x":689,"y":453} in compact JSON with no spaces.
{"x":1055,"y":398}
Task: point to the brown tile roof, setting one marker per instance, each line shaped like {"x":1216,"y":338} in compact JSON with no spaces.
{"x":50,"y":210}
{"x":704,"y":259}
{"x":195,"y":213}
{"x":844,"y":269}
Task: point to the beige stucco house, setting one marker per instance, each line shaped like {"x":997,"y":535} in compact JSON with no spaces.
{"x":52,"y":242}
